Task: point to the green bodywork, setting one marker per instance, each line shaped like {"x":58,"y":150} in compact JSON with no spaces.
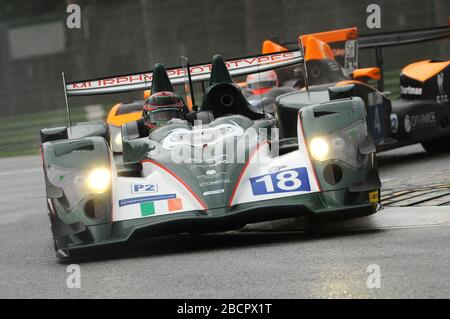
{"x":319,"y":206}
{"x":76,"y":230}
{"x":82,"y":220}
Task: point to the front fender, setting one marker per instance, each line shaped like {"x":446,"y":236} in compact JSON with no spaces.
{"x":67,"y":165}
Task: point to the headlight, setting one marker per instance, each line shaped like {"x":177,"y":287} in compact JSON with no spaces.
{"x":99,"y":180}
{"x":319,"y":148}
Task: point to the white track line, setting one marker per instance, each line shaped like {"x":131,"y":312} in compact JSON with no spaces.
{"x":22,"y":171}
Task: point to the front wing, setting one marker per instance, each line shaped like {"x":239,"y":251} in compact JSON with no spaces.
{"x":340,"y":204}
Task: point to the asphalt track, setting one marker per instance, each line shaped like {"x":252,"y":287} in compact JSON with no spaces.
{"x":283,"y":260}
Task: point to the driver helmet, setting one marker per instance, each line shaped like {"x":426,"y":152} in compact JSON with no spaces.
{"x":260,"y":83}
{"x":162,"y":107}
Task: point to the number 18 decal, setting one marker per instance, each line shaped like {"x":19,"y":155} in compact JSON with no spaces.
{"x":292,"y":180}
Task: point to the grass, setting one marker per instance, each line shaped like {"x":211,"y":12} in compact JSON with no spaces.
{"x":392,"y":83}
{"x":20,"y":135}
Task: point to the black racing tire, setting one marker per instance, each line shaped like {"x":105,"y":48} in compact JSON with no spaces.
{"x":437,"y":146}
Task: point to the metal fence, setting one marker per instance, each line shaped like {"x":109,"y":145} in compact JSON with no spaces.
{"x":127,"y":36}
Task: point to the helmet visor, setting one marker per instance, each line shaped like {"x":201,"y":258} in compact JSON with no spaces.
{"x":162,"y":116}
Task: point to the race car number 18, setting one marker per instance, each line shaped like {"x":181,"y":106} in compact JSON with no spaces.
{"x":293,"y":180}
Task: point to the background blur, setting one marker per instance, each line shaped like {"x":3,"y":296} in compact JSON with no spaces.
{"x":129,"y":36}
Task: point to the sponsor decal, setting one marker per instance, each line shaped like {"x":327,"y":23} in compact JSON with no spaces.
{"x":409,"y":90}
{"x":206,"y":165}
{"x":276,"y":169}
{"x":351,"y":55}
{"x":407,"y":123}
{"x":160,"y":207}
{"x":201,"y":137}
{"x":216,"y":182}
{"x":424,"y":119}
{"x":377,"y":115}
{"x":138,"y":200}
{"x":394,"y":123}
{"x":207,"y":176}
{"x":412,"y":121}
{"x":291,"y":180}
{"x":177,"y":75}
{"x":214,"y":192}
{"x":374,"y":197}
{"x":144,"y":188}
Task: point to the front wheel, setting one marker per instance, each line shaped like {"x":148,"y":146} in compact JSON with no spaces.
{"x":437,"y":146}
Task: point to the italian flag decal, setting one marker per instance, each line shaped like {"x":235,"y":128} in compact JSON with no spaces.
{"x":160,"y":206}
{"x":153,"y":205}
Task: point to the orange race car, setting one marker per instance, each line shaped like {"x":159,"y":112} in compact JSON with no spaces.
{"x":420,"y":115}
{"x":120,"y":114}
{"x":331,"y":66}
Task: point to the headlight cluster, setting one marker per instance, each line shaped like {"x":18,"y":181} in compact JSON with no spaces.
{"x":77,"y":183}
{"x":340,"y":145}
{"x":99,"y":180}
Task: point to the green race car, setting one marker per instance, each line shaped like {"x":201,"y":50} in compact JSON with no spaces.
{"x":221,"y":167}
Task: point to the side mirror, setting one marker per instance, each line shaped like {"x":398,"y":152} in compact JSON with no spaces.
{"x":147,"y":94}
{"x":367,"y":73}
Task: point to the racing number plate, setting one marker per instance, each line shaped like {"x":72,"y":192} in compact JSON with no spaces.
{"x":291,"y":180}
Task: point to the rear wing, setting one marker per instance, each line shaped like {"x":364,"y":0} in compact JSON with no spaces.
{"x":178,"y":75}
{"x":336,"y":39}
{"x":379,"y":41}
{"x":376,"y":41}
{"x":342,"y":42}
